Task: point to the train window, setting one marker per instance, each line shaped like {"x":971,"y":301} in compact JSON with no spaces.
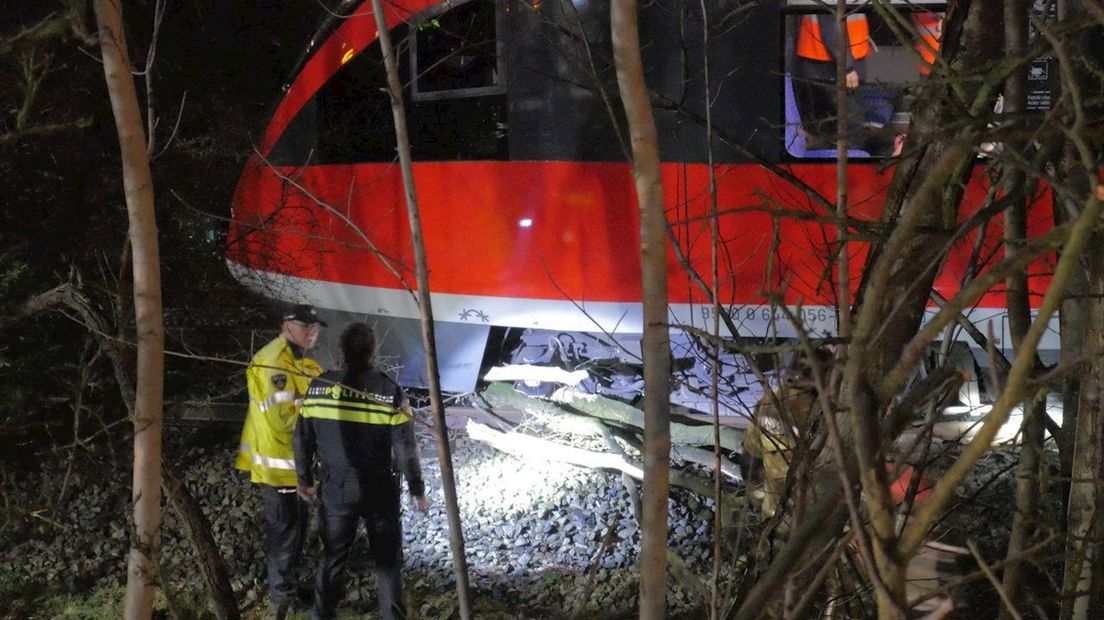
{"x":455,"y":53}
{"x":887,"y":57}
{"x":348,"y":120}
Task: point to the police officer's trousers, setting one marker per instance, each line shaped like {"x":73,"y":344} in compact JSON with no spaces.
{"x":285,"y":524}
{"x":345,"y":502}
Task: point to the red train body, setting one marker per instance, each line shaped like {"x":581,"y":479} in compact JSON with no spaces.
{"x":527,"y":204}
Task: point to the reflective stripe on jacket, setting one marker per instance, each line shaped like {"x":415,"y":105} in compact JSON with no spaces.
{"x":276,"y":380}
{"x":357,"y":424}
{"x":811,"y":42}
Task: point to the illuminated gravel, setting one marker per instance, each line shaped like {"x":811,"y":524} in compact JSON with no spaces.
{"x":544,"y":539}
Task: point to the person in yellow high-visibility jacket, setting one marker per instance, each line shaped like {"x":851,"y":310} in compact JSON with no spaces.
{"x":277,"y":379}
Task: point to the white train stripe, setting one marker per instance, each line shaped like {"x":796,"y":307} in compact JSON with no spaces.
{"x":751,"y":320}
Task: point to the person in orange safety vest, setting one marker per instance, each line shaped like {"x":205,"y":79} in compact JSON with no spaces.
{"x":814,"y":68}
{"x":929,"y":31}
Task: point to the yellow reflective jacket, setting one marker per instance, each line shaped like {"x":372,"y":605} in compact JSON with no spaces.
{"x":276,"y":381}
{"x":772,"y":437}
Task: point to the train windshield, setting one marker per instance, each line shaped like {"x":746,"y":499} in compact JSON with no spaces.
{"x":457,"y":107}
{"x":886,"y":54}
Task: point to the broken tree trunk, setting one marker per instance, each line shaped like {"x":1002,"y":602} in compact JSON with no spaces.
{"x":528,"y":447}
{"x":625,"y":414}
{"x":198,"y":529}
{"x":590,"y":414}
{"x":608,"y":410}
{"x":706,"y":458}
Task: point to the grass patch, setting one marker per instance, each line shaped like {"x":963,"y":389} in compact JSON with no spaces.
{"x":99,"y":604}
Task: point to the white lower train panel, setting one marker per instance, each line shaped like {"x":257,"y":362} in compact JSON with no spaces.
{"x":752,"y":321}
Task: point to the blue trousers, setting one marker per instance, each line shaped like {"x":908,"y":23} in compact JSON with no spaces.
{"x":285,"y":525}
{"x":345,"y":503}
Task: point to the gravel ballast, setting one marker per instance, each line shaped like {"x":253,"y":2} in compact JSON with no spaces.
{"x":545,"y":538}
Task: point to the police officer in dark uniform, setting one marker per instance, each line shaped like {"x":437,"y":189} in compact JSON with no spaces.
{"x":356,"y":424}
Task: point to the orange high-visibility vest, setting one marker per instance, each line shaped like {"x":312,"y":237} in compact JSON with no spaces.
{"x":929,"y":27}
{"x":811,"y":45}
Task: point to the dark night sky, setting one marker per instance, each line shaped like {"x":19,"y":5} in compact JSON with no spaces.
{"x":231,"y":58}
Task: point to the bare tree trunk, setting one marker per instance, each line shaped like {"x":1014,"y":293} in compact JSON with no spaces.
{"x":656,"y":346}
{"x":922,"y":203}
{"x":1083,"y":583}
{"x":1084,"y":564}
{"x":429,"y":343}
{"x":1019,"y":306}
{"x":843,"y":304}
{"x":1083,"y":319}
{"x":198,"y":529}
{"x":715,"y":602}
{"x":138,"y":186}
{"x":1072,"y":319}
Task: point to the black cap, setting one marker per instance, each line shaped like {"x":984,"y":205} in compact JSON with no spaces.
{"x":304,"y":313}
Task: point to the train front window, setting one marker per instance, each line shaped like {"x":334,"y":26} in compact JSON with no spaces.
{"x":455,"y":53}
{"x":887,"y":56}
{"x":349,"y":119}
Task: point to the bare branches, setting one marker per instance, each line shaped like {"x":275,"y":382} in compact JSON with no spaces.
{"x":44,"y":130}
{"x":396,"y":268}
{"x":172,"y":135}
{"x":52,"y":28}
{"x":952,"y":309}
{"x":62,"y":294}
{"x":30,"y":51}
{"x":147,"y":73}
{"x":1008,"y":604}
{"x":34,"y":66}
{"x":1017,"y":378}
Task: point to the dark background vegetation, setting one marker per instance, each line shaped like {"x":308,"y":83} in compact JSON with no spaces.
{"x":64,"y":218}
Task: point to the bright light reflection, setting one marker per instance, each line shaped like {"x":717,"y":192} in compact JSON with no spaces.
{"x":519,"y":485}
{"x":966,"y":421}
{"x":525,"y":222}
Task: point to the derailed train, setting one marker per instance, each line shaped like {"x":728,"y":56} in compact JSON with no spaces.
{"x":527,"y":202}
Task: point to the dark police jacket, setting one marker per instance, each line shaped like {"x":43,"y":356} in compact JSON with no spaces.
{"x":357,"y":424}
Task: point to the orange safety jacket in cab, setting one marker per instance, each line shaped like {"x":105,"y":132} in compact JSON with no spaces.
{"x":277,"y":381}
{"x":811,"y":43}
{"x":929,"y":27}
